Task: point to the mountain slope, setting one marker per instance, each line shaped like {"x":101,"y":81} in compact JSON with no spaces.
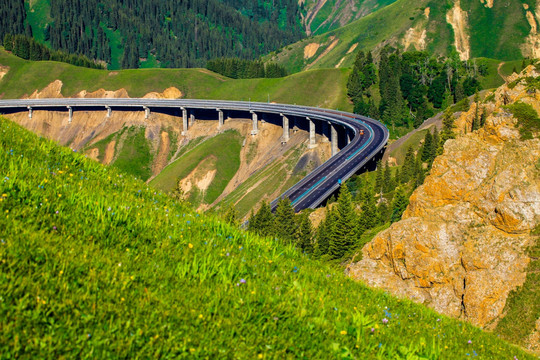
{"x":500,"y":30}
{"x":134,"y":33}
{"x":324,"y":15}
{"x":95,"y":264}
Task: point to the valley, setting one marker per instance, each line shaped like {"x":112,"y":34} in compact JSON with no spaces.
{"x":142,"y":164}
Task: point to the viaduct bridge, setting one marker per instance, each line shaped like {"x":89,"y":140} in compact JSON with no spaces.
{"x":356,"y":141}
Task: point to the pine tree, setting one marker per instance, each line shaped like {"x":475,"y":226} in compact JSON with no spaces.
{"x":447,"y":100}
{"x":304,"y":233}
{"x":427,"y":149}
{"x":369,"y":217}
{"x":483,"y":118}
{"x":420,"y":115}
{"x":344,"y":232}
{"x":436,"y":142}
{"x":459,"y":92}
{"x":476,"y":119}
{"x":379,"y":178}
{"x":399,"y":204}
{"x":324,"y":233}
{"x":387,"y":178}
{"x":447,"y":130}
{"x":284,"y":222}
{"x":231,"y":215}
{"x":397,"y":177}
{"x":420,"y":177}
{"x":8,"y":42}
{"x":263,"y":221}
{"x":407,"y":171}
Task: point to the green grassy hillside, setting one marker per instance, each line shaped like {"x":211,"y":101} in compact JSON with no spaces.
{"x":224,"y":152}
{"x":389,"y":25}
{"x":325,"y":88}
{"x":324,"y":15}
{"x":94,"y":264}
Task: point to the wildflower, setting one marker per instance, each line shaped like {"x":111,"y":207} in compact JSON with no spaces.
{"x":260,"y":356}
{"x":385,"y":321}
{"x":372,"y":330}
{"x":190,"y":245}
{"x":54,"y":227}
{"x":242,"y":281}
{"x":4,"y":195}
{"x":343,"y":332}
{"x":295,"y":269}
{"x":201,"y":316}
{"x":122,"y":299}
{"x":469,"y":342}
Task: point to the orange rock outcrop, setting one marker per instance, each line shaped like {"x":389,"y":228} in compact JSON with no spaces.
{"x":460,"y":247}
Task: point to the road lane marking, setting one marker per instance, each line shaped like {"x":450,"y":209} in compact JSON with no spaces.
{"x":311,"y":188}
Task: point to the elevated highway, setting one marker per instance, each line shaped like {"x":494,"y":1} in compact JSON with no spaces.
{"x":365,"y":138}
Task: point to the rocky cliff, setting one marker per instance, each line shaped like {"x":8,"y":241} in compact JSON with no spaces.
{"x":460,"y":247}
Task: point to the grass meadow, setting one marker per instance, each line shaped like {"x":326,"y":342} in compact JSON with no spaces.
{"x":96,"y":264}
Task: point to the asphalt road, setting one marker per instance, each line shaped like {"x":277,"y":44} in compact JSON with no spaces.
{"x":309,"y":192}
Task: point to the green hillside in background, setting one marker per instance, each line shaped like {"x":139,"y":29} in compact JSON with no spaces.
{"x":94,"y":263}
{"x":325,"y":88}
{"x":499,"y":32}
{"x":145,"y":33}
{"x":324,"y":15}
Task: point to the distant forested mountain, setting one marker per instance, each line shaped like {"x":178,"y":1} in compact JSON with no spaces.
{"x":147,"y":33}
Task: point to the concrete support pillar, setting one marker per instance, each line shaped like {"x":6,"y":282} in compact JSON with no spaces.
{"x":286,"y":133}
{"x":70,"y":110}
{"x":109,"y":111}
{"x":184,"y":121}
{"x":146,"y":112}
{"x":312,"y":140}
{"x":220,"y":117}
{"x":292,"y":125}
{"x":29,"y":112}
{"x":191,"y":119}
{"x":254,"y":117}
{"x":334,"y":139}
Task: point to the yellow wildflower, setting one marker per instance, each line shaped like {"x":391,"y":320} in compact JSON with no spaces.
{"x":343,"y":332}
{"x":190,"y":245}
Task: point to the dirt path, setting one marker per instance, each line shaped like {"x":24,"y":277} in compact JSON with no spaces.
{"x":435,"y":120}
{"x":499,"y":71}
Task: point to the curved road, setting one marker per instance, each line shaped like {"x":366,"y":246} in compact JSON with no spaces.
{"x":309,"y":192}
